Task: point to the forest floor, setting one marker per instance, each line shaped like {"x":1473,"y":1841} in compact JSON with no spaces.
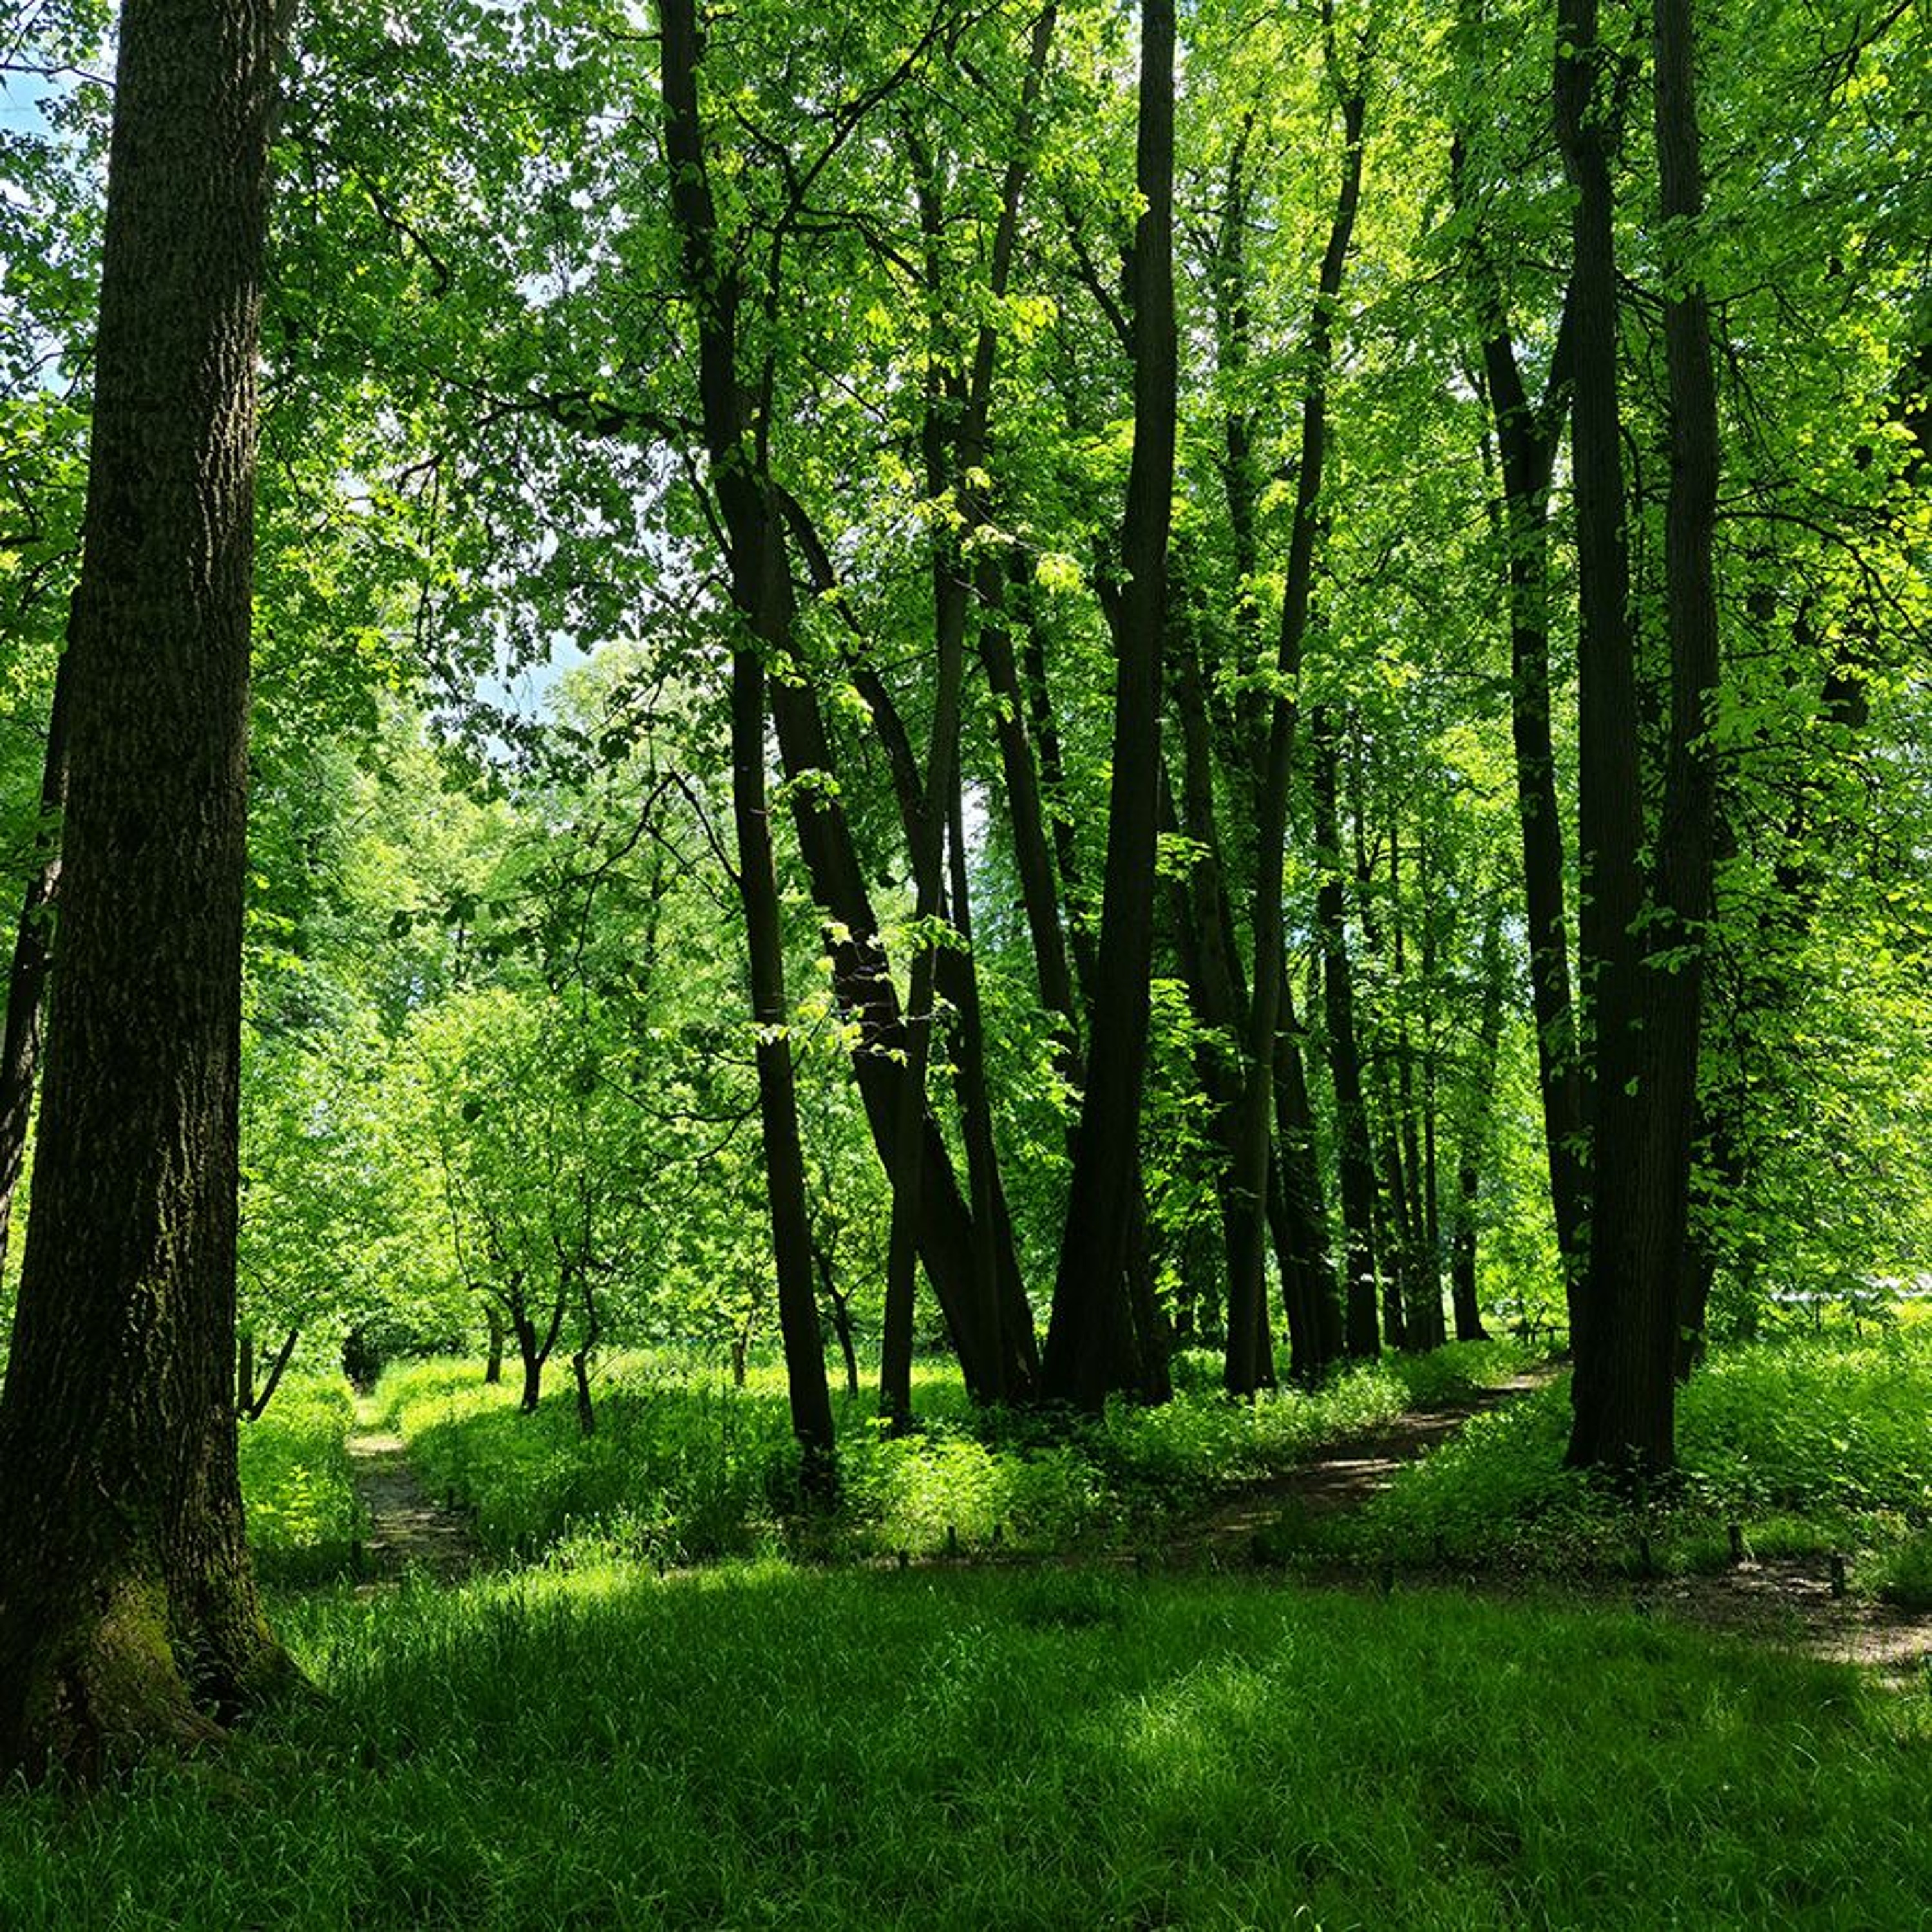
{"x":408,"y":1529}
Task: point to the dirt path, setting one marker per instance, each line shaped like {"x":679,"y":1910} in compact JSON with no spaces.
{"x":1341,"y":1476}
{"x":406,"y":1530}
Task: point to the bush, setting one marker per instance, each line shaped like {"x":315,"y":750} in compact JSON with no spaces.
{"x":304,"y":1517}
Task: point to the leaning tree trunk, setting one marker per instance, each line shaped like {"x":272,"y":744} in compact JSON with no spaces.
{"x":1089,"y":1299}
{"x":128,"y":1615}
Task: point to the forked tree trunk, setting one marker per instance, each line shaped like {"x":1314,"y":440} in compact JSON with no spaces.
{"x":128,"y":1615}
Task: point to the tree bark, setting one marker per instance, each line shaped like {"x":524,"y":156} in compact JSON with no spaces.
{"x":1361,"y":1337}
{"x":1649,"y":1024}
{"x":128,"y":1615}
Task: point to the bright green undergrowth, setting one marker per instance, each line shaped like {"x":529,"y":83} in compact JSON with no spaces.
{"x":304,"y":1518}
{"x":1806,"y":1445}
{"x":684,"y":1467}
{"x":766,"y":1745}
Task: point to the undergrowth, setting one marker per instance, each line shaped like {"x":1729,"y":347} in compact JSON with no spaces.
{"x":684,"y":1467}
{"x":1804,"y":1446}
{"x":304,"y":1518}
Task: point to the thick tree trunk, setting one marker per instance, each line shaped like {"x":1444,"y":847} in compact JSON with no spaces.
{"x":1648,"y":1022}
{"x":1610,"y":812}
{"x":128,"y":1616}
{"x":761,"y":591}
{"x":1088,"y":1302}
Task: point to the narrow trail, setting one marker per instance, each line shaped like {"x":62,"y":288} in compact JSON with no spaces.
{"x":407,"y":1531}
{"x":1337,"y":1476}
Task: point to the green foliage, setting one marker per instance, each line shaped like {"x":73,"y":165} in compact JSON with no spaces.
{"x":761,"y":1745}
{"x":1808,"y":1446}
{"x":304,"y":1517}
{"x":683,"y":1466}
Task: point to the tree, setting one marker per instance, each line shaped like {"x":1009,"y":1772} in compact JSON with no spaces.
{"x":761,"y":593}
{"x":129,"y":1618}
{"x":1086,"y":1336}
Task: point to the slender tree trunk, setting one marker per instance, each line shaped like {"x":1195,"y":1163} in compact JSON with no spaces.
{"x":1253,"y":1139}
{"x":1477,"y":1135}
{"x":842,"y":1316}
{"x":1528,"y":458}
{"x":493,"y":1360}
{"x":1361,"y":1337}
{"x":128,"y":1616}
{"x":761,"y":591}
{"x":1088,"y":1303}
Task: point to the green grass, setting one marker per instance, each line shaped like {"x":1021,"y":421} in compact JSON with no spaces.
{"x":762,"y":1745}
{"x":1809,"y":1445}
{"x":303,"y":1515}
{"x":685,"y":1468}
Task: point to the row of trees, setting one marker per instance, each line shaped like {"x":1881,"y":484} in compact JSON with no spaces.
{"x":1142,"y":589}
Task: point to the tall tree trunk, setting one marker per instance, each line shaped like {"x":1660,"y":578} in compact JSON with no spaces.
{"x":1361,"y":1335}
{"x":1625,"y":1384}
{"x":128,"y":1616}
{"x":761,"y":591}
{"x":492,"y":1357}
{"x":1527,"y":445}
{"x":1242,"y":1368}
{"x":1089,"y":1310}
{"x":1610,"y":814}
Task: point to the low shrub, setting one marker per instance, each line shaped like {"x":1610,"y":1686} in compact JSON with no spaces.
{"x":304,"y":1517}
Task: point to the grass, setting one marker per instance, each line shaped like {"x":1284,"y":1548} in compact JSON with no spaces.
{"x":304,"y":1518}
{"x":762,"y":1745}
{"x":685,"y":1468}
{"x":1808,"y":1445}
